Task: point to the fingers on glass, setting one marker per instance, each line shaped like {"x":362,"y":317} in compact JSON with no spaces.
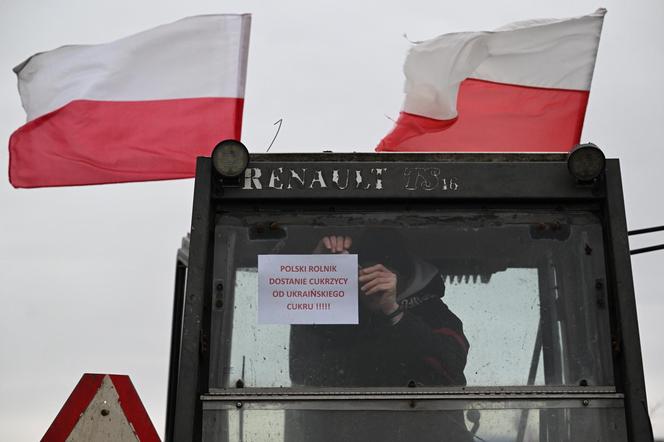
{"x":337,"y":243}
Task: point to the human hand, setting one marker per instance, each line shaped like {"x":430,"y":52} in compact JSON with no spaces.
{"x":333,"y":244}
{"x":379,"y":286}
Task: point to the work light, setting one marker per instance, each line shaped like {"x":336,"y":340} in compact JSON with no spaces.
{"x":230,"y":158}
{"x":586,"y":162}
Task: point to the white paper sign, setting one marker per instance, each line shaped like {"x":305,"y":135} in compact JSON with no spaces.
{"x":307,"y":289}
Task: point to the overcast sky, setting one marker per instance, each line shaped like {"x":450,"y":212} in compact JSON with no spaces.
{"x":87,"y":272}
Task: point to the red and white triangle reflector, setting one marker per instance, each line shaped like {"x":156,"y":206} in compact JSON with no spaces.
{"x":102,"y":408}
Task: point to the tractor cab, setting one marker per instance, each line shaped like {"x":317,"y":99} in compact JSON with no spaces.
{"x":404,"y":297}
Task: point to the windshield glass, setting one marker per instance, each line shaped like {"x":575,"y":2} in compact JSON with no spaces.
{"x":437,"y":298}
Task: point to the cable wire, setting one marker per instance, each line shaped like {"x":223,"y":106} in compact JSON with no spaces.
{"x":646,"y":230}
{"x":646,"y":249}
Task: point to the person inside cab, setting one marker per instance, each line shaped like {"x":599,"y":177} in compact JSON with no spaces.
{"x":406,"y":337}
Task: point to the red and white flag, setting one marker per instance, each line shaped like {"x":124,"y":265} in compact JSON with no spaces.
{"x":523,"y":87}
{"x":136,"y":109}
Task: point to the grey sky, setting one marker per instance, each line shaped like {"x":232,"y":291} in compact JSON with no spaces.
{"x":87,"y":272}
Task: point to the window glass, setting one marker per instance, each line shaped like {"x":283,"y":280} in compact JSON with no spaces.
{"x":484,"y":299}
{"x":486,"y":309}
{"x":455,"y":425}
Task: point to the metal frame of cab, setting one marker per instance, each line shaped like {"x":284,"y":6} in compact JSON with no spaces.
{"x":491,"y":179}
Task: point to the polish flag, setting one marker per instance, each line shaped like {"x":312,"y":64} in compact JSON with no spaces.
{"x":137,"y":109}
{"x":521,"y":88}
